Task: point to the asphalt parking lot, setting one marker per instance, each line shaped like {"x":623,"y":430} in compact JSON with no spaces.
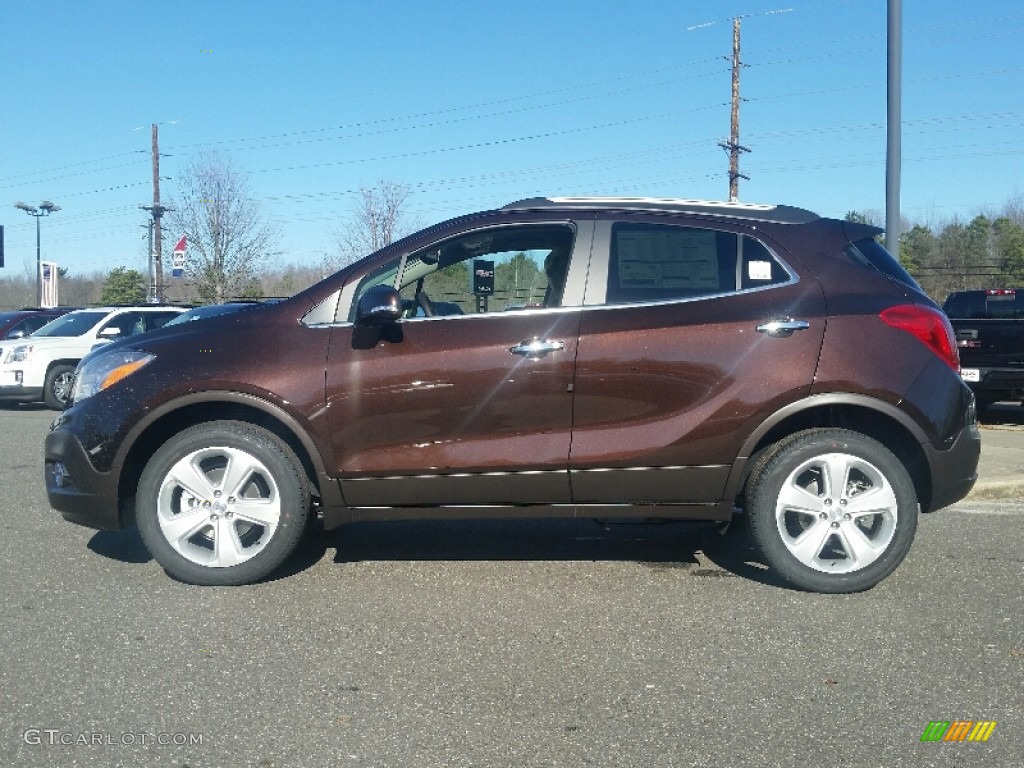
{"x":504,"y":644}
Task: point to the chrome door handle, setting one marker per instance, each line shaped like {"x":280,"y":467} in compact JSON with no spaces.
{"x":781,"y":329}
{"x":536,"y":347}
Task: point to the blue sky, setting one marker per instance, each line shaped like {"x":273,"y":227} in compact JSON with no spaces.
{"x":474,"y":105}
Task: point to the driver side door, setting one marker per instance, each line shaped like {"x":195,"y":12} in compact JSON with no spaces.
{"x":468,"y":399}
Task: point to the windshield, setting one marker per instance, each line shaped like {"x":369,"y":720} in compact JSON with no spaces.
{"x":73,"y":324}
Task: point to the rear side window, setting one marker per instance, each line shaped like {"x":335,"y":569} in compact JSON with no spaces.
{"x":872,"y":254}
{"x":664,"y":263}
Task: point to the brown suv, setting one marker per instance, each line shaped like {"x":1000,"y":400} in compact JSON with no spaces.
{"x":564,"y":357}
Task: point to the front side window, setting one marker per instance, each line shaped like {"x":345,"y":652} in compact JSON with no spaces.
{"x":33,"y":324}
{"x":124,"y":324}
{"x":156,"y":320}
{"x":666,"y":263}
{"x":27,"y":326}
{"x":492,"y":270}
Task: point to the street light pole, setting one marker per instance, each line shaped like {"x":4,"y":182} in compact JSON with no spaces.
{"x":894,"y":127}
{"x":45,"y":208}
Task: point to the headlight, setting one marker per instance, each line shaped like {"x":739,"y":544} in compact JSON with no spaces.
{"x":106,"y":369}
{"x":19,"y":354}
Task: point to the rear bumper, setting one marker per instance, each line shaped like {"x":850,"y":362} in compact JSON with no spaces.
{"x":992,"y":382}
{"x":954,"y":470}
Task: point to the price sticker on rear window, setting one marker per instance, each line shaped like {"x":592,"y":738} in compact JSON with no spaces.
{"x":970,"y":374}
{"x":759,"y":270}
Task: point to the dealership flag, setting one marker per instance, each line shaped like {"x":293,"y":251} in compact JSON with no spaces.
{"x":178,"y":259}
{"x":49,"y":283}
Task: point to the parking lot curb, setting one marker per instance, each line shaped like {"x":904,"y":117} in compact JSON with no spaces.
{"x":997,"y":490}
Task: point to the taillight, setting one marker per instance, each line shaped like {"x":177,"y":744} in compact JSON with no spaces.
{"x":929,"y":326}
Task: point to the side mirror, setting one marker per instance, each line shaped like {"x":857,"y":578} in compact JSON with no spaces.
{"x":110,"y":332}
{"x":379,"y":306}
{"x":18,"y":334}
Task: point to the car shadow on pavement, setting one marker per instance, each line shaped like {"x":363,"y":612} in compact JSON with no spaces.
{"x":124,"y":546}
{"x":11,"y":406}
{"x":697,"y":548}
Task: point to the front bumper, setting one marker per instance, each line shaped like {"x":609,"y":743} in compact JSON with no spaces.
{"x":19,"y":394}
{"x":75,"y":488}
{"x":20,"y":381}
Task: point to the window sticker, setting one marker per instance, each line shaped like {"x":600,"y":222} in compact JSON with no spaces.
{"x":686,"y":260}
{"x":759,"y":270}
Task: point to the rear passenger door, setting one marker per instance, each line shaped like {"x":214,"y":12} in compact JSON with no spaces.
{"x":677,"y":359}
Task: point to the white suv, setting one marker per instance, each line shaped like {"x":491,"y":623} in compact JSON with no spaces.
{"x":41,"y":367}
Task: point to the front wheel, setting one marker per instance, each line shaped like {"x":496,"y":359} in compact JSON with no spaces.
{"x":832,"y":510}
{"x":222,"y":503}
{"x":57,"y":389}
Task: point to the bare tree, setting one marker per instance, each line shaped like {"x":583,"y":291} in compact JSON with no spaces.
{"x":378,"y":219}
{"x":17,"y":291}
{"x":1014,"y":210}
{"x":227,"y":241}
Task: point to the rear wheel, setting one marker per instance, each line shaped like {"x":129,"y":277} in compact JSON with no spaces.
{"x":222,"y":503}
{"x":832,"y":510}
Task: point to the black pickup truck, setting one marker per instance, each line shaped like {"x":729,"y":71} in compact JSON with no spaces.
{"x":989,"y":327}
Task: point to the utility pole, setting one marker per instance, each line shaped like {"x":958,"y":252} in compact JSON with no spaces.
{"x":733,"y":146}
{"x":156,"y":288}
{"x":148,"y":226}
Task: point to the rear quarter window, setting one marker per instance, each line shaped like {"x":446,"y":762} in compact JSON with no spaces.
{"x":872,"y":254}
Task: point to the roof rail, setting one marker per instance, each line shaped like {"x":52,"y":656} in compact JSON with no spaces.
{"x":781,"y":214}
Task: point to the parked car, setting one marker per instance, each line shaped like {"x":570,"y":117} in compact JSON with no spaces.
{"x":989,"y":329}
{"x":688,"y":360}
{"x":41,"y":367}
{"x":19,"y":323}
{"x":213,"y":310}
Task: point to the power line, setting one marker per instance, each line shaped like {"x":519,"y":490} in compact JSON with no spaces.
{"x":423,"y":126}
{"x":580,"y":86}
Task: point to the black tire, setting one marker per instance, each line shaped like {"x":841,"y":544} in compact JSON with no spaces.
{"x":984,"y":402}
{"x":57,"y":388}
{"x":222,"y":503}
{"x":820,"y":540}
